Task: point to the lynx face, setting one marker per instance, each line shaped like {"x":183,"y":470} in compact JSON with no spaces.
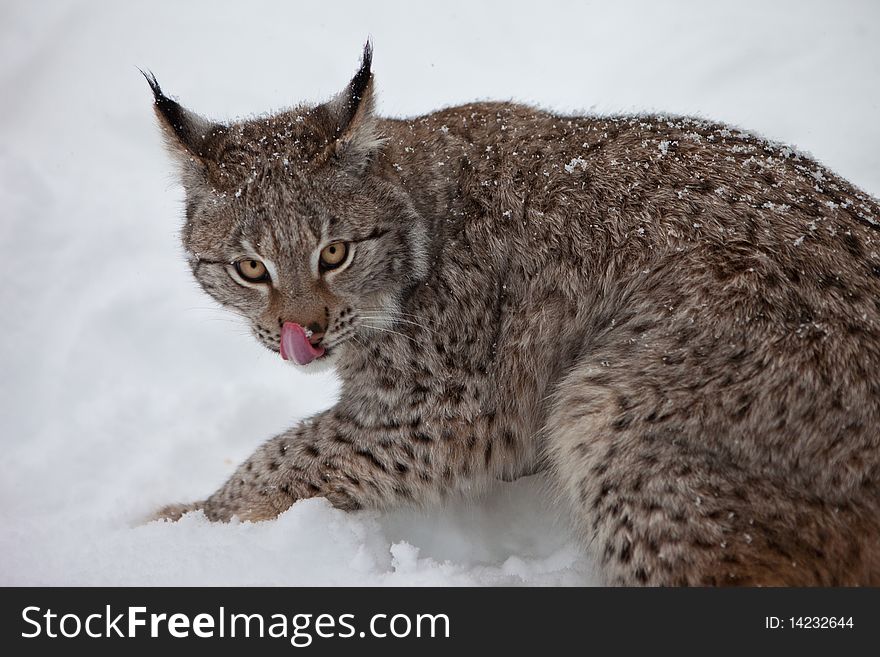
{"x":290,"y":224}
{"x":310,"y":263}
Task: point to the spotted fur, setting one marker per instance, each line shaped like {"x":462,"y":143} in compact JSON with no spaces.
{"x":677,"y":319}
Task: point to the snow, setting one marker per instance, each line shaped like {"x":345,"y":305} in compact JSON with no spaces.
{"x":576,"y":162}
{"x":124,"y":388}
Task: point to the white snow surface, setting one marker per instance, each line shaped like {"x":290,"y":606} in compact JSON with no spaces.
{"x":124,"y":388}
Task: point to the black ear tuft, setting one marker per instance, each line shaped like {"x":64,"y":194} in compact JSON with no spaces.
{"x":191,"y":131}
{"x":153,"y":82}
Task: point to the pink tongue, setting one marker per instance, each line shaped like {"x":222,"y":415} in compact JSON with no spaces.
{"x":296,"y":346}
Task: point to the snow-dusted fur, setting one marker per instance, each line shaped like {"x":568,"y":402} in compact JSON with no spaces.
{"x":675,"y":318}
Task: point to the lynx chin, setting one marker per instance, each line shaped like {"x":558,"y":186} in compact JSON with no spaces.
{"x":676,"y":320}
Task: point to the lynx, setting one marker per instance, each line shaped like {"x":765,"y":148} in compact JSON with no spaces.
{"x":677,"y":320}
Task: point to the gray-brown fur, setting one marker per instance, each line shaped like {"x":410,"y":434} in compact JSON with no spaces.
{"x":676,"y":319}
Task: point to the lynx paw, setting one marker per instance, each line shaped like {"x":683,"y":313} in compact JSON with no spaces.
{"x":174,"y":512}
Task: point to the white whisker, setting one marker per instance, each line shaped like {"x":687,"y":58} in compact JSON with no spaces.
{"x":392,"y":312}
{"x":377,"y":328}
{"x":397,"y":319}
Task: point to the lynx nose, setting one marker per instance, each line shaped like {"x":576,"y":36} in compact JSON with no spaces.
{"x":316,"y":333}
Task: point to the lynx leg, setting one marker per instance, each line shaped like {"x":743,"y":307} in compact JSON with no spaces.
{"x":656,"y":512}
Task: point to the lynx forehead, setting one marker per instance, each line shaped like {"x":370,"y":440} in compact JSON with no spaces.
{"x":676,"y":320}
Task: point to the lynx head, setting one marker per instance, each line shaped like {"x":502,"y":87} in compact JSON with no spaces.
{"x":293,"y":221}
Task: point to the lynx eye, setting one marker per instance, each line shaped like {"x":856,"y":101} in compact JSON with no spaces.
{"x":253,"y":271}
{"x":334,"y":255}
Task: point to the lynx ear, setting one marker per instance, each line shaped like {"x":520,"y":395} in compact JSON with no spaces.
{"x":188,"y":135}
{"x":356,"y":128}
